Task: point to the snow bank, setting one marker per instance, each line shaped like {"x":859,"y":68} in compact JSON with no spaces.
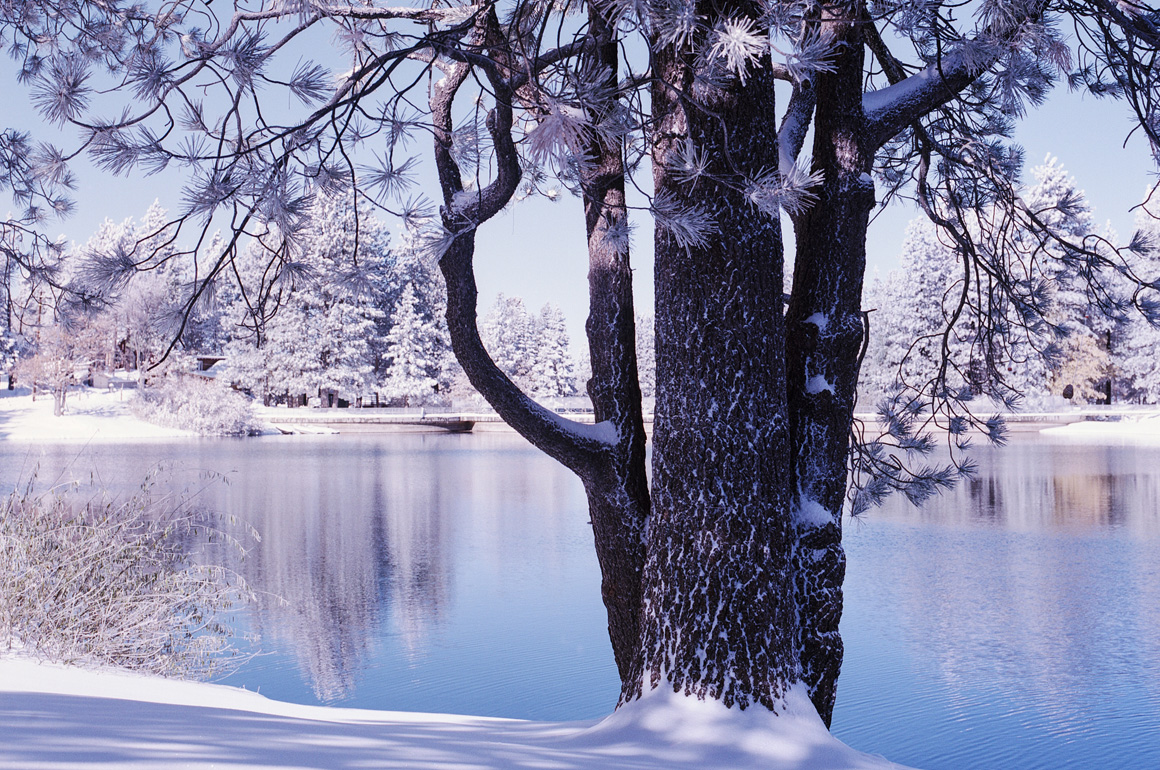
{"x":89,"y":414}
{"x":54,"y":717}
{"x":1142,"y":429}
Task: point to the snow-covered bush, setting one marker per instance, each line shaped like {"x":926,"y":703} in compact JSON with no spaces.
{"x":85,"y":579}
{"x":204,"y":406}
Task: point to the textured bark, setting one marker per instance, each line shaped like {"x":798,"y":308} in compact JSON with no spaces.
{"x":718,"y":606}
{"x":824,"y":336}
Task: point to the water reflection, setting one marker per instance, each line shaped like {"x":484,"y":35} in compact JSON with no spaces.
{"x":1008,"y":624}
{"x":1035,"y":484}
{"x":325,"y":566}
{"x":389,"y":564}
{"x":1014,"y":619}
{"x":364,"y":548}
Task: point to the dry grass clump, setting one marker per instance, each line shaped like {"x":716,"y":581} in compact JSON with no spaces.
{"x":86,"y":579}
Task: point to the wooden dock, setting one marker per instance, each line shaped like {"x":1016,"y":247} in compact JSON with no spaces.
{"x":306,"y":420}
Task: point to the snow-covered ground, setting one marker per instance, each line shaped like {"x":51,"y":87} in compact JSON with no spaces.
{"x":91,"y":414}
{"x":55,"y":717}
{"x":1145,"y":428}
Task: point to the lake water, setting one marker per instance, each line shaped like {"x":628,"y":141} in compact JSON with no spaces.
{"x":1014,"y":623}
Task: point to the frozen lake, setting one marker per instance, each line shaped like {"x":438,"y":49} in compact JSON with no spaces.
{"x":1014,"y":623}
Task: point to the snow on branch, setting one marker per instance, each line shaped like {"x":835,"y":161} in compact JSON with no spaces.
{"x":888,"y":110}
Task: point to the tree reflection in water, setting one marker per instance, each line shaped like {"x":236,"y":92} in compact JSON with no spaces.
{"x":1037,"y":484}
{"x":368,"y":542}
{"x":1013,"y":617}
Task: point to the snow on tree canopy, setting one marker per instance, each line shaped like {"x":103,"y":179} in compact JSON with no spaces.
{"x":414,"y":343}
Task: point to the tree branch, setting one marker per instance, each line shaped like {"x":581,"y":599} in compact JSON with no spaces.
{"x":891,"y":109}
{"x":580,"y":447}
{"x":795,"y":124}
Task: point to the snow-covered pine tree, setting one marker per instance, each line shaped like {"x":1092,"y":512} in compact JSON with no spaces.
{"x":1135,"y":354}
{"x":131,"y":267}
{"x":410,"y":268}
{"x":8,"y":356}
{"x":915,"y":335}
{"x":204,"y":325}
{"x":509,"y":333}
{"x":646,"y":355}
{"x":325,"y":331}
{"x":9,"y":340}
{"x":879,"y":372}
{"x":1017,"y":357}
{"x":553,"y":375}
{"x":415,"y":344}
{"x":1079,"y":321}
{"x":751,"y":441}
{"x":112,"y":242}
{"x":150,"y":304}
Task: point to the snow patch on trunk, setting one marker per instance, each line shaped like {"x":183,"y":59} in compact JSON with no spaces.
{"x":820,"y":320}
{"x":811,"y":514}
{"x":818,"y":384}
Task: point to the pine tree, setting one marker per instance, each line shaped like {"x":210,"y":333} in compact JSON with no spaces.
{"x":881,"y":304}
{"x":1012,"y":360}
{"x":1077,"y":319}
{"x":415,"y":343}
{"x":646,"y":355}
{"x":205,"y":323}
{"x":328,"y":322}
{"x":1135,"y":355}
{"x":927,"y":268}
{"x":411,"y":269}
{"x":509,"y":334}
{"x":755,"y":395}
{"x":553,"y":375}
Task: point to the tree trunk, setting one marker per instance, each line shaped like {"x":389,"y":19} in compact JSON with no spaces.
{"x":719,"y":617}
{"x":618,"y":496}
{"x":824,"y":337}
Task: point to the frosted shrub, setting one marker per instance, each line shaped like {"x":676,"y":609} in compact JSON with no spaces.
{"x":96,"y":581}
{"x":203,"y":406}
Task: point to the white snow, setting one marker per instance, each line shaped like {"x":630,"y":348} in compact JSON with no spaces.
{"x":811,"y":513}
{"x":55,"y":717}
{"x":603,"y":432}
{"x":819,"y":320}
{"x":90,"y":414}
{"x":876,"y":102}
{"x":818,"y":384}
{"x":1145,"y":429}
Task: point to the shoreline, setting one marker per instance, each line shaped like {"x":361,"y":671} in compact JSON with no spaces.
{"x":102,"y":416}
